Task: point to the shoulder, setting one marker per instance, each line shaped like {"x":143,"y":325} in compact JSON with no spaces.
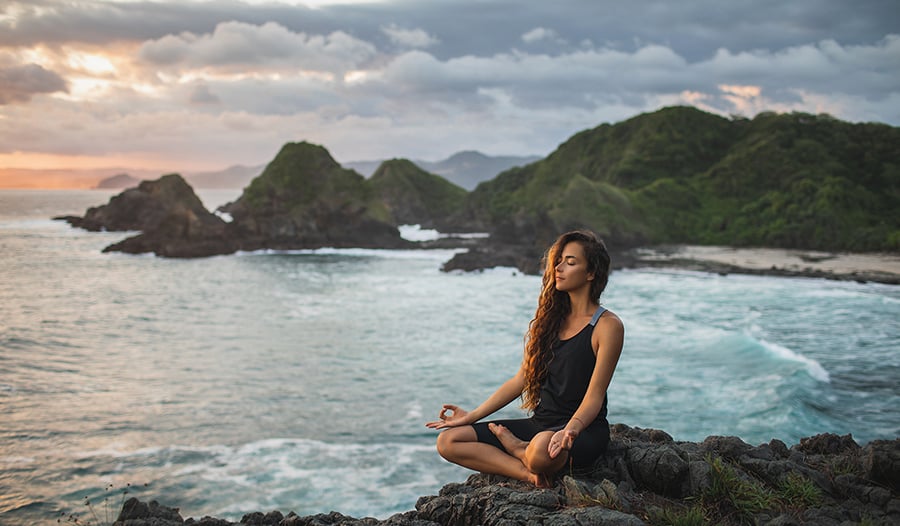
{"x":609,"y":321}
{"x":608,"y":327}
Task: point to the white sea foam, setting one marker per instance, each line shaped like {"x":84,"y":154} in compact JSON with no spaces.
{"x":231,"y":348}
{"x":414,"y":411}
{"x":813,"y":367}
{"x":362,"y":478}
{"x":225,"y":216}
{"x":417,"y":233}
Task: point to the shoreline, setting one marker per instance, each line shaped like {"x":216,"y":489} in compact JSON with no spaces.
{"x":646,"y":477}
{"x":860,"y":267}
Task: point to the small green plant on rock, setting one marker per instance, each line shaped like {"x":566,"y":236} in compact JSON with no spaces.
{"x":735,"y":496}
{"x":842,"y":465}
{"x":679,"y":516}
{"x":797,"y":490}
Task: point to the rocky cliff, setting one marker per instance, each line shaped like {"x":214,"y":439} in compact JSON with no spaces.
{"x":648,"y":478}
{"x":143,"y":207}
{"x":171,"y":218}
{"x":305,"y":199}
{"x":414,"y":196}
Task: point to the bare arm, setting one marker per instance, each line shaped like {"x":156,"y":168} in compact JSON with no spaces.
{"x":607,"y":340}
{"x":505,"y":394}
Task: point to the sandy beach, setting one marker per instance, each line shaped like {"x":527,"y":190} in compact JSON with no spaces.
{"x":878,"y":267}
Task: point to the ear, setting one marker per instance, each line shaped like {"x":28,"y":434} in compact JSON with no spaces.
{"x":590,"y":277}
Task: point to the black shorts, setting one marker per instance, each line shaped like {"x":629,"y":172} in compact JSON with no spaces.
{"x":589,"y":445}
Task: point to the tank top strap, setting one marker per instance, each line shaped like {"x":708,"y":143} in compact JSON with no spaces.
{"x":600,"y":310}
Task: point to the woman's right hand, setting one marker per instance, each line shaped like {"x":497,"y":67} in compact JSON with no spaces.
{"x":458,"y":417}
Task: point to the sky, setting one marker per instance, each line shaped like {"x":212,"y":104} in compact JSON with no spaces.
{"x":188,"y":85}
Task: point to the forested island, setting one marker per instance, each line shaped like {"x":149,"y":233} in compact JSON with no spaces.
{"x":675,"y":176}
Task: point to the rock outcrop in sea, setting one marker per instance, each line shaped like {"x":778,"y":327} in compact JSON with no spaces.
{"x":649,"y":478}
{"x":303,"y":199}
{"x":171,"y":218}
{"x":416,"y":197}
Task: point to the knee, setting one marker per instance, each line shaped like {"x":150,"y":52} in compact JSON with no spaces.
{"x":537,"y":457}
{"x":445,"y":444}
{"x":543,"y":464}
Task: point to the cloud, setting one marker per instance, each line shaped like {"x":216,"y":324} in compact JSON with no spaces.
{"x":202,"y":95}
{"x":18,"y":83}
{"x":234,"y":81}
{"x":541,"y":33}
{"x":409,"y":38}
{"x":236,"y":46}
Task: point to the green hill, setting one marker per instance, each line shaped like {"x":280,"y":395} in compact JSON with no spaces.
{"x":304,"y":198}
{"x":686,"y":176}
{"x":414,"y":196}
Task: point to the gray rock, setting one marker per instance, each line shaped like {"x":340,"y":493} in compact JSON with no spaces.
{"x":644,"y":470}
{"x":881,"y":461}
{"x":662,"y":469}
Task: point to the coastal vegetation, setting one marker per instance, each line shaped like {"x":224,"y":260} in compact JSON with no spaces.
{"x":681,"y":175}
{"x":414,"y":196}
{"x":675,"y":176}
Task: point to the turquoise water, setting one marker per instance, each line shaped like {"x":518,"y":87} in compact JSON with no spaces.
{"x":301,"y":381}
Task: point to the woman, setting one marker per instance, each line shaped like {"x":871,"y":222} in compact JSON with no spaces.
{"x":571,"y":351}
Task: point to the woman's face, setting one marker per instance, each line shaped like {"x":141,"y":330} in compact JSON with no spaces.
{"x":571,"y":271}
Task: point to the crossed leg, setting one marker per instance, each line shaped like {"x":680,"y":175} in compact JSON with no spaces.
{"x":521,"y":460}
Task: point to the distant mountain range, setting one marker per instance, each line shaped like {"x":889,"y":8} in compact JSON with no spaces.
{"x":465,"y":169}
{"x":678,"y":175}
{"x":117,"y":182}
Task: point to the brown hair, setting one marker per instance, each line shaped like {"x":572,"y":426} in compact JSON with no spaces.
{"x":554,"y":306}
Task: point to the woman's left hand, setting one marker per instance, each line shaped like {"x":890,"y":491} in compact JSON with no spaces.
{"x":562,"y":440}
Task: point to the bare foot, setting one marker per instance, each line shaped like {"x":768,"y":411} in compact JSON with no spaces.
{"x":541,"y":480}
{"x":511,"y":443}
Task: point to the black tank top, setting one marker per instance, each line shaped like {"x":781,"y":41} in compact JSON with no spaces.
{"x":568,"y":375}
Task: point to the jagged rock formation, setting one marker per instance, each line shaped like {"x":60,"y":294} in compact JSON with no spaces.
{"x":414,"y":196}
{"x":305,"y":199}
{"x":648,"y":478}
{"x":172,"y":220}
{"x":142,"y":208}
{"x":678,"y":175}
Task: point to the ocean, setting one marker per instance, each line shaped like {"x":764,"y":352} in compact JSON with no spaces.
{"x":301,"y":381}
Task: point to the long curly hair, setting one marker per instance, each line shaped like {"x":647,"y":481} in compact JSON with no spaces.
{"x":554,"y":306}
